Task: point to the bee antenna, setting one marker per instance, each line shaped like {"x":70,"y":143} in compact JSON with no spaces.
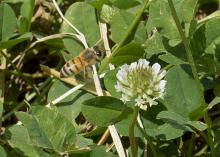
{"x":96,"y":44}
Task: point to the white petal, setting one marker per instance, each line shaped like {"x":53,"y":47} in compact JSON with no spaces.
{"x":118,"y":87}
{"x":145,"y":63}
{"x":152,"y":102}
{"x":122,"y":76}
{"x":156,"y":68}
{"x":143,"y":107}
{"x":139,"y":100}
{"x":125,"y":98}
{"x":133,"y":66}
{"x":162,"y":84}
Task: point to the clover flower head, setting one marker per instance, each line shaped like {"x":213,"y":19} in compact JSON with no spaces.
{"x":141,"y":82}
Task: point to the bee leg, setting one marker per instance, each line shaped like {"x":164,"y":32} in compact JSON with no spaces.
{"x":86,"y":70}
{"x":85,"y":74}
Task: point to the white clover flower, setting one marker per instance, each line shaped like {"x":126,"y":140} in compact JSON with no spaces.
{"x":141,"y":82}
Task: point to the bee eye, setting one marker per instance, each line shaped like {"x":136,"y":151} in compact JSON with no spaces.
{"x":99,"y":53}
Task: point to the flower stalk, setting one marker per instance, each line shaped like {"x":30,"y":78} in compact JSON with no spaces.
{"x":133,"y":143}
{"x":194,"y":71}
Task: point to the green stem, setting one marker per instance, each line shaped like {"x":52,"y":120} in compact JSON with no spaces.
{"x":194,"y":72}
{"x":127,"y":34}
{"x":190,"y":148}
{"x":151,"y":145}
{"x":209,"y":134}
{"x":133,"y":143}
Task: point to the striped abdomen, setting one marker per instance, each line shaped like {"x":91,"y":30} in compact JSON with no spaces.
{"x":72,"y":67}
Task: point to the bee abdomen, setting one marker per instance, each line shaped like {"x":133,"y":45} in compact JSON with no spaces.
{"x":72,"y":67}
{"x":66,"y":71}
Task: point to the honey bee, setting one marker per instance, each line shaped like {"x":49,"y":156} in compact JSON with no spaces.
{"x":86,"y":58}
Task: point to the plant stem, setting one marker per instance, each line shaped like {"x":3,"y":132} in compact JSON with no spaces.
{"x":190,"y":148}
{"x":154,"y":151}
{"x":133,"y":143}
{"x":194,"y":72}
{"x":127,"y":34}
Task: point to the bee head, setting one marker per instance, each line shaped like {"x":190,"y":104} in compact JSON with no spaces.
{"x":99,"y":53}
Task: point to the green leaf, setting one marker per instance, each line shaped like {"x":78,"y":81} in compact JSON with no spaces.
{"x":171,"y":59}
{"x":110,"y":82}
{"x":37,"y":136}
{"x":212,"y":31}
{"x":140,"y":33}
{"x":70,"y":107}
{"x":154,"y":45}
{"x":59,"y":130}
{"x":198,"y":42}
{"x":107,"y":110}
{"x":98,"y":4}
{"x":13,"y":42}
{"x":168,"y":132}
{"x":214,"y":102}
{"x":107,"y":13}
{"x":128,"y":54}
{"x":119,"y":27}
{"x":13,"y":1}
{"x":174,"y":119}
{"x":23,"y":25}
{"x":119,"y":24}
{"x":2,"y":152}
{"x":208,"y":65}
{"x":20,"y":139}
{"x":49,"y":129}
{"x":188,"y":10}
{"x":97,"y":151}
{"x":27,"y":10}
{"x":160,"y":17}
{"x":8,"y":22}
{"x":170,"y":116}
{"x":155,"y":128}
{"x":82,"y":142}
{"x":197,"y":125}
{"x":182,"y":95}
{"x":83,"y":17}
{"x":122,"y":4}
{"x":177,"y":121}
